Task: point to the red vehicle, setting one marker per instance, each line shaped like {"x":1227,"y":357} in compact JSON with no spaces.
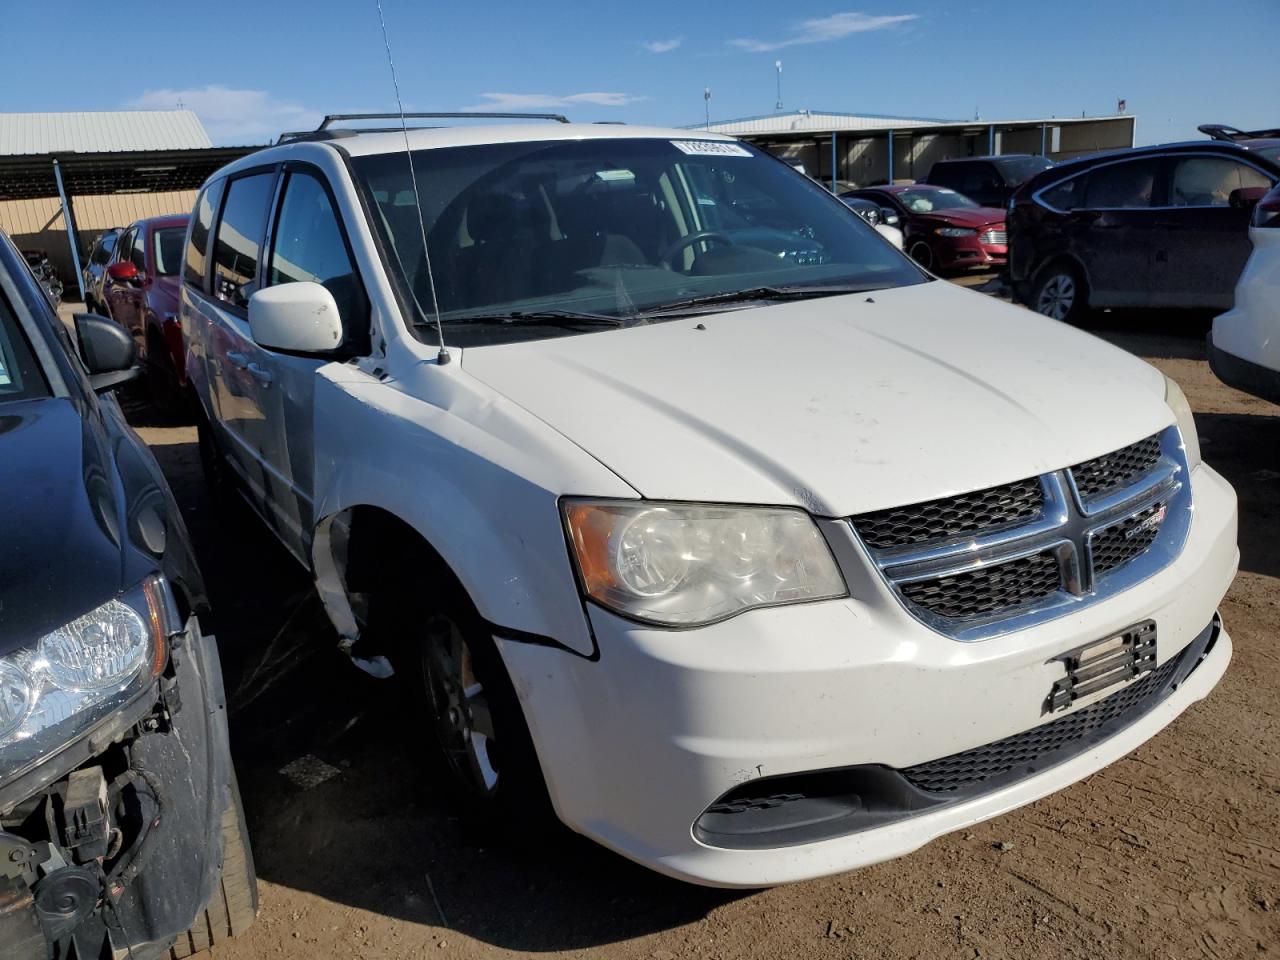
{"x":140,"y":292}
{"x":944,"y":230}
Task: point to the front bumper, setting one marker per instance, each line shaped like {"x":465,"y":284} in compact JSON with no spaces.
{"x":637,"y":745}
{"x":166,"y":758}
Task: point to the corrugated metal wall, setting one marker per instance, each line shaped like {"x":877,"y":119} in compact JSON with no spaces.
{"x":38,"y":224}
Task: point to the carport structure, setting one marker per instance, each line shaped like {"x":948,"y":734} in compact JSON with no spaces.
{"x":873,"y":148}
{"x":121,"y":165}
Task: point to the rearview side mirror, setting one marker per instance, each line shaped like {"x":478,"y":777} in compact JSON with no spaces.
{"x":1246,"y":198}
{"x":107,"y":350}
{"x":299,"y":317}
{"x":123,"y":271}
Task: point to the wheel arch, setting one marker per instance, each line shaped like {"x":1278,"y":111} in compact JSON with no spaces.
{"x":1069,"y":259}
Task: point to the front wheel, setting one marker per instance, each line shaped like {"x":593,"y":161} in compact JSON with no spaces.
{"x":461,"y":697}
{"x":1059,"y":294}
{"x":921,"y":253}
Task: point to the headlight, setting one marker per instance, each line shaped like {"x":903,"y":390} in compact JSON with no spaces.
{"x":77,"y":674}
{"x":1177,"y":401}
{"x":685,"y":565}
{"x":956,"y":232}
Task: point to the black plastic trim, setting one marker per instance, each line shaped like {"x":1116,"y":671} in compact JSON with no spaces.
{"x":1252,"y":378}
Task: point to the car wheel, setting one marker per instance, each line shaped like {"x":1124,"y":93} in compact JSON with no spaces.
{"x":921,"y":253}
{"x":458,"y":689}
{"x":1059,"y":294}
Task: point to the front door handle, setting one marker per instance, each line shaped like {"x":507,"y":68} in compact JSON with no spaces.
{"x":261,"y":373}
{"x":238,"y":360}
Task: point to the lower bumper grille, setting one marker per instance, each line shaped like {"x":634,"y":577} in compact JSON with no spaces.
{"x":972,"y":767}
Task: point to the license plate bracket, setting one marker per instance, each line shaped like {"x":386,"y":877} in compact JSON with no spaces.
{"x":1102,"y":664}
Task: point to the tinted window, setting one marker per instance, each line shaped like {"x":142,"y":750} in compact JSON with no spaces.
{"x":202,"y":221}
{"x":1019,"y":170}
{"x":1067,"y":195}
{"x":166,"y":250}
{"x":239,"y":240}
{"x":20,"y":377}
{"x":1122,"y":185}
{"x":138,"y":253}
{"x":102,"y":249}
{"x":1210,"y":181}
{"x":948,"y":173}
{"x":308,"y":245}
{"x":125,"y":245}
{"x":978,"y":178}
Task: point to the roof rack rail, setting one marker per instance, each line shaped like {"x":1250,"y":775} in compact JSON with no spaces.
{"x":1221,"y":131}
{"x":340,"y":117}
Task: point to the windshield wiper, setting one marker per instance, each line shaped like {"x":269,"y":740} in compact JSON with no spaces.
{"x":783,"y":293}
{"x":543,"y":317}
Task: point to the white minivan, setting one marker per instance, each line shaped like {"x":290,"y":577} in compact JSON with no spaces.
{"x":698,"y":516}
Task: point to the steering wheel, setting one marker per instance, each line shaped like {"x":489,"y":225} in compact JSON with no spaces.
{"x":698,"y":236}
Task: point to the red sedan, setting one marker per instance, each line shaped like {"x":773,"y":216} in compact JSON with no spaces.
{"x":944,"y":230}
{"x":141,"y":294}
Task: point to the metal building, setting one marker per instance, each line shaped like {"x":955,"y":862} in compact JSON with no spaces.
{"x":863,"y":149}
{"x":66,"y":177}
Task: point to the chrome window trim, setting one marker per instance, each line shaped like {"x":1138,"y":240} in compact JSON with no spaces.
{"x":1039,"y":199}
{"x":1066,"y":527}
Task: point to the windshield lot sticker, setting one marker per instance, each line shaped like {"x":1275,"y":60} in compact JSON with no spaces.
{"x":714,"y":148}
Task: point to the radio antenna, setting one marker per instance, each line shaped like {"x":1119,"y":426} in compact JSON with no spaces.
{"x":443,"y":356}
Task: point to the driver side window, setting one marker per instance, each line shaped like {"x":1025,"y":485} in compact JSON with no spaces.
{"x":308,"y":244}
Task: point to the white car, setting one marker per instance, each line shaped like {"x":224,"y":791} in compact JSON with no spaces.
{"x":715,"y":525}
{"x":1244,"y":346}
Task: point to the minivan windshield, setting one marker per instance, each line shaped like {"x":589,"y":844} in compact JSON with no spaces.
{"x":1018,"y":170}
{"x":613,"y":231}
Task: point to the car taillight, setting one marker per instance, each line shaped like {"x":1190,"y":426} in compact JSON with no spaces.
{"x":1267,"y":212}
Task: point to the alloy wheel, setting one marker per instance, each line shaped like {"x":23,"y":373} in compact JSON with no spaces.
{"x":463,"y":722}
{"x":1057,"y":296}
{"x":922,"y":254}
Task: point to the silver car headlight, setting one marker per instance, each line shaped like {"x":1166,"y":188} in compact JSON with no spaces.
{"x":75,"y":675}
{"x":1177,"y":401}
{"x":685,"y":565}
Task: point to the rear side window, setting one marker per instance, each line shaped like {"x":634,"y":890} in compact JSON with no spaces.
{"x":948,"y":174}
{"x":238,"y":245}
{"x":102,"y":249}
{"x":125,"y":246}
{"x":978,"y":177}
{"x":1210,"y":181}
{"x":308,"y":245}
{"x":1067,"y":195}
{"x":201,"y":222}
{"x":1122,"y":186}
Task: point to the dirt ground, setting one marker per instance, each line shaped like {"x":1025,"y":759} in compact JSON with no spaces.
{"x":1173,"y":852}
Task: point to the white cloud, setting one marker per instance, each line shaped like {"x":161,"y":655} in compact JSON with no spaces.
{"x":233,"y":116}
{"x":822,"y":29}
{"x":542,"y":101}
{"x":663,"y":46}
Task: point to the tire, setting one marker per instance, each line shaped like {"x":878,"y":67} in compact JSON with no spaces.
{"x":1059,"y":293}
{"x":921,"y":253}
{"x":457,"y":691}
{"x":234,"y":903}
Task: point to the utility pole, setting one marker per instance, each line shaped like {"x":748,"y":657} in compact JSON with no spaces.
{"x":777,"y":65}
{"x":706,"y":103}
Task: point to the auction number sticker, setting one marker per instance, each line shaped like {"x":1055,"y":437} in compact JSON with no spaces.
{"x":710,"y":148}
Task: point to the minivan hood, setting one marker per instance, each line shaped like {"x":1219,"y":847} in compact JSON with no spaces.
{"x":839,"y":405}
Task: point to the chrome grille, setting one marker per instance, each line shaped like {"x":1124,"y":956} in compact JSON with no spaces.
{"x":994,"y":235}
{"x":1106,"y":474}
{"x":969,"y":513}
{"x":1004,"y":558}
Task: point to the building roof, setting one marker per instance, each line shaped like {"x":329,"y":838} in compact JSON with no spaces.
{"x":817,"y":121}
{"x":27,"y":134}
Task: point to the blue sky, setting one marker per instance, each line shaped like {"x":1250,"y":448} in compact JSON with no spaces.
{"x":253,"y":70}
